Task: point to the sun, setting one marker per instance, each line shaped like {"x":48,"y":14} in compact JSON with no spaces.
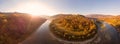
{"x":35,"y":8}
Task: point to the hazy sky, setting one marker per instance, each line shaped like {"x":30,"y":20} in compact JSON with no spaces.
{"x":70,"y":6}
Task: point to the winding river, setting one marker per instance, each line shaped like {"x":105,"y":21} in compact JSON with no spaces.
{"x":106,"y":35}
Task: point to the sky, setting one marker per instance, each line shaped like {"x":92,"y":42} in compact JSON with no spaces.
{"x":62,"y":6}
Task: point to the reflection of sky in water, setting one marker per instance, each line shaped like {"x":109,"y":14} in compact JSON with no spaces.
{"x":109,"y":34}
{"x":42,"y":36}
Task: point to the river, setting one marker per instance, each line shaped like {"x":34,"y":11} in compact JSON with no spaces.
{"x":106,"y":35}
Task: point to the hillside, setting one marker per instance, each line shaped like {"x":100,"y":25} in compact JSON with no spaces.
{"x":16,"y":27}
{"x":112,"y":20}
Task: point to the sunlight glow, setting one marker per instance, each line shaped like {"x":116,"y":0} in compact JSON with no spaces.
{"x":35,"y":8}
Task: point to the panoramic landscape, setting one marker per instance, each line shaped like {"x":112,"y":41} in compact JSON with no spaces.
{"x":59,"y":22}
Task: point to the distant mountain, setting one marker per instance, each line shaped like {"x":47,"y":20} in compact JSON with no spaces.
{"x":61,"y":15}
{"x":97,"y":15}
